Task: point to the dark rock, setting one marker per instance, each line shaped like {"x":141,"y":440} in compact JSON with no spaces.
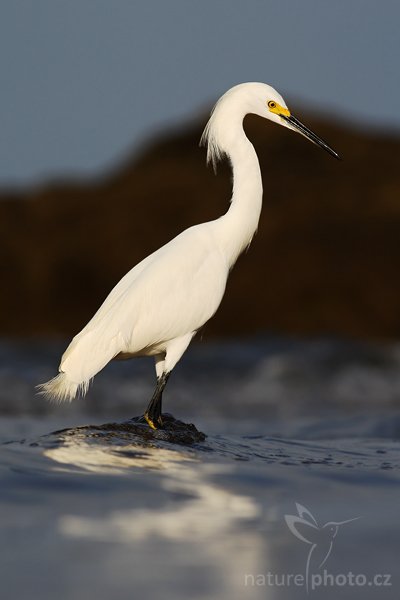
{"x":138,"y":430}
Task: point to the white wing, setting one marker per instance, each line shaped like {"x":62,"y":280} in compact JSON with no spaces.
{"x":170,"y":293}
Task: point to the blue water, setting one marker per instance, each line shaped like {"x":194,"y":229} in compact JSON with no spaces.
{"x":108,"y":512}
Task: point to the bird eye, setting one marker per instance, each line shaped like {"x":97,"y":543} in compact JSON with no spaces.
{"x":272,"y":104}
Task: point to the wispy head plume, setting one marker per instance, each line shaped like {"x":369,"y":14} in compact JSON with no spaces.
{"x":210,"y":137}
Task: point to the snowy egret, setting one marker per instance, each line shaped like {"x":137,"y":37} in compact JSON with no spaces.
{"x":158,"y":306}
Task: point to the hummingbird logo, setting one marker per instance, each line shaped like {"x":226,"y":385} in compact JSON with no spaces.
{"x":320,"y":538}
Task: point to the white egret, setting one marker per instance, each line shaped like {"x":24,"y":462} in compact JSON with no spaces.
{"x":158,"y":306}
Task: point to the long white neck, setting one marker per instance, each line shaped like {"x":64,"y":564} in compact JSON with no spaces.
{"x":225,"y":136}
{"x":241,"y":221}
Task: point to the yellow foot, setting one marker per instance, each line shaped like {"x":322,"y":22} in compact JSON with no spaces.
{"x":153,"y":424}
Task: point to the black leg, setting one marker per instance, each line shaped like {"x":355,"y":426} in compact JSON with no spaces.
{"x":153,"y":411}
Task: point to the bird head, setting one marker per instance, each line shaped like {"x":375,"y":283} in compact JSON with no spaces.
{"x":269,"y":104}
{"x":250,"y":98}
{"x":332,"y":527}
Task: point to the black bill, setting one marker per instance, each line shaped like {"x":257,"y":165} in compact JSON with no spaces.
{"x":298,"y":126}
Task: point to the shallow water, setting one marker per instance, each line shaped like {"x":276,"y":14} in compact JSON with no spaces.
{"x":291,"y":427}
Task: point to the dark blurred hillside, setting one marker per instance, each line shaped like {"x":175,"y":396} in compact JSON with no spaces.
{"x":326,"y":258}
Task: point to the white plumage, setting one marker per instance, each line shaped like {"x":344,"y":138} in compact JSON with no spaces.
{"x":158,"y":306}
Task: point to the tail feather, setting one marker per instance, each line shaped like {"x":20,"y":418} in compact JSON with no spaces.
{"x":62,"y":389}
{"x":86,"y":355}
